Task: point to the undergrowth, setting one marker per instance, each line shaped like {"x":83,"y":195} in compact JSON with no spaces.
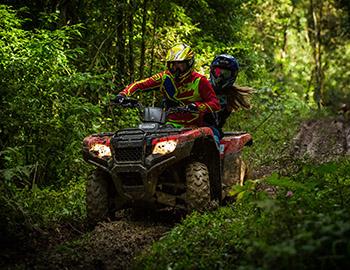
{"x":304,"y":224}
{"x":24,"y":210}
{"x":273,"y":121}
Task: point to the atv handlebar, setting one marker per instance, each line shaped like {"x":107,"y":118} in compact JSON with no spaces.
{"x":128,"y":102}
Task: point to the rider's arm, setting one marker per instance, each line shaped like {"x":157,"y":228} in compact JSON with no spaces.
{"x":210,"y":102}
{"x":148,"y":84}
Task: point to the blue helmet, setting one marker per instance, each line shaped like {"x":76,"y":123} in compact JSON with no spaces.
{"x":223,"y":71}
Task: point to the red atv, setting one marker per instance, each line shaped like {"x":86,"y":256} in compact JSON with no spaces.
{"x":159,"y":165}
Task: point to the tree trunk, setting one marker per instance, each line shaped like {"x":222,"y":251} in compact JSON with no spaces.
{"x":69,"y":10}
{"x":285,"y":36}
{"x":131,"y":40}
{"x":316,"y":27}
{"x":155,"y":24}
{"x":121,"y":40}
{"x":143,"y":42}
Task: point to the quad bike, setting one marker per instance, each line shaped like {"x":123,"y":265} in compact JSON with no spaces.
{"x":157,"y":165}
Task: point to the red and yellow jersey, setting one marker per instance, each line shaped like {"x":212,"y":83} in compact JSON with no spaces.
{"x":195,"y":88}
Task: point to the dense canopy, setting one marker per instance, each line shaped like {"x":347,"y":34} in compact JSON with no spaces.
{"x":62,"y":61}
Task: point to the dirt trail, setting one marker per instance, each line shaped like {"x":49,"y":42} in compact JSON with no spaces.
{"x":110,"y":245}
{"x":114,"y":245}
{"x":322,"y":140}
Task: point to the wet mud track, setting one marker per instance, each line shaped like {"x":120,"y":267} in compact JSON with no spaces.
{"x":109,"y":245}
{"x":112,"y":245}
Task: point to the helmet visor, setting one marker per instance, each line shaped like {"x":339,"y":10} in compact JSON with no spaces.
{"x":221,"y":73}
{"x":179,"y":67}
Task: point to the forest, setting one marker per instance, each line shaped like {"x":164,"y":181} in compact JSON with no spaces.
{"x":62,"y":62}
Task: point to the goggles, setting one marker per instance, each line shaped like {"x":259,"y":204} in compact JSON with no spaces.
{"x":173,"y":64}
{"x":221,"y":73}
{"x":179,"y":67}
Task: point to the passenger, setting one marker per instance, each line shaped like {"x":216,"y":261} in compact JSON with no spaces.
{"x":223,"y":73}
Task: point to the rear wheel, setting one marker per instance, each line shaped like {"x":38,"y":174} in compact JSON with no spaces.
{"x":197,"y":186}
{"x":97,"y":197}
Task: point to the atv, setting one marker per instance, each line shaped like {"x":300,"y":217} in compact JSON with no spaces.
{"x":157,"y":165}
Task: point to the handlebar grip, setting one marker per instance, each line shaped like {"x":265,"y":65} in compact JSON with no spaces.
{"x":126,"y":102}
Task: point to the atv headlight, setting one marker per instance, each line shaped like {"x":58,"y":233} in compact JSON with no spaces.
{"x":101,"y":150}
{"x":164,"y":147}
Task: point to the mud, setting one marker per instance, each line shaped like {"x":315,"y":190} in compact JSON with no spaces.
{"x":111,"y":245}
{"x":322,"y":140}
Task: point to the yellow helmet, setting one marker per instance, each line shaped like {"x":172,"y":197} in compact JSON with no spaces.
{"x":180,"y":53}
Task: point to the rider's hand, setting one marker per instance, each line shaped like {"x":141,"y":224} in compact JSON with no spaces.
{"x":191,"y":107}
{"x":119,"y":99}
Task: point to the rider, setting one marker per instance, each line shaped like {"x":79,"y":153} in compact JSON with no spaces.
{"x":223,"y":73}
{"x":180,"y":86}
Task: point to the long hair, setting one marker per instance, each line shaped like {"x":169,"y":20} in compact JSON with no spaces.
{"x":238,"y":97}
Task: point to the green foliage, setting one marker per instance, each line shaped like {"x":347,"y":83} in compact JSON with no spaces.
{"x":58,"y":72}
{"x":28,"y":209}
{"x":300,"y":42}
{"x":338,"y":78}
{"x":43,"y":120}
{"x":305,"y":224}
{"x":274,"y":109}
{"x":194,"y":243}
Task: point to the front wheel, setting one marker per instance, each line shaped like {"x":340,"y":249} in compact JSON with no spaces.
{"x":197,"y":186}
{"x":97,"y":197}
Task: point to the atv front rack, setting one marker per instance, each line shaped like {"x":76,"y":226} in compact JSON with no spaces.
{"x":129,"y":146}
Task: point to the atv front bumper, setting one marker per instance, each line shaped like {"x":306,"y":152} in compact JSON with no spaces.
{"x":142,"y":186}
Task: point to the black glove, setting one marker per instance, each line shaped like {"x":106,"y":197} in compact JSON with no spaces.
{"x":192,"y":107}
{"x":119,"y":99}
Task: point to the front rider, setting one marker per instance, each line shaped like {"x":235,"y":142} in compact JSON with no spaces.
{"x":223,"y":73}
{"x":180,"y":86}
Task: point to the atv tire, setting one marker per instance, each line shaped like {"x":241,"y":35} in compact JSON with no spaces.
{"x":97,"y":199}
{"x":197,"y":187}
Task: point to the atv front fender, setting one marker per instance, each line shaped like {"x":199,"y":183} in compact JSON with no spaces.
{"x":93,"y":157}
